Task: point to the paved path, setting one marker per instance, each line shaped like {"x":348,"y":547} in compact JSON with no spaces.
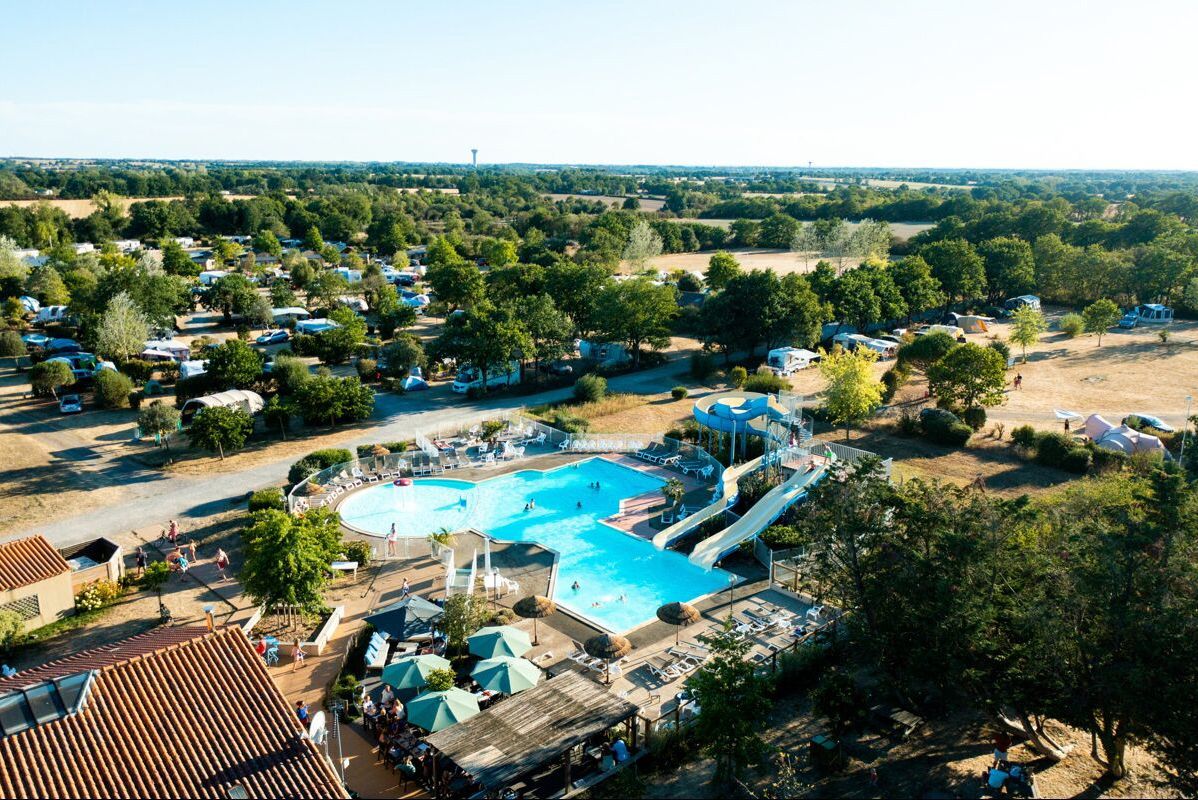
{"x":398,"y":417}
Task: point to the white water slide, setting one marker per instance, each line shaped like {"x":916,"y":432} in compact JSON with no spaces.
{"x":757,"y":518}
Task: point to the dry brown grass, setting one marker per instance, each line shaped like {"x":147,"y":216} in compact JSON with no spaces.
{"x":77,"y":209}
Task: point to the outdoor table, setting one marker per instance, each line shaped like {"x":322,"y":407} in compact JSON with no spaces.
{"x":406,"y":648}
{"x":345,"y":566}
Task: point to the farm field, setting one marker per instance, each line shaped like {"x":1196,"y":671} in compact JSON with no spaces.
{"x":903,"y":230}
{"x":647,"y":203}
{"x":78,"y":209}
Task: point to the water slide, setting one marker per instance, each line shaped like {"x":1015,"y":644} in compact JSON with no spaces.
{"x":740,"y":412}
{"x":759,"y":517}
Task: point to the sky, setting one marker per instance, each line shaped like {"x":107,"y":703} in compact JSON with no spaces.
{"x":1052,"y":84}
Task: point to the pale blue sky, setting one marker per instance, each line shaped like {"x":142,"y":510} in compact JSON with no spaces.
{"x":1020,"y":83}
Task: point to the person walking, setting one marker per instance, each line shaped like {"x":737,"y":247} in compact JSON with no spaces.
{"x":1018,"y":380}
{"x":141,"y":562}
{"x":172,"y":532}
{"x":405,"y":590}
{"x":222,"y":563}
{"x":392,"y":539}
{"x":191,"y":551}
{"x":297,"y":656}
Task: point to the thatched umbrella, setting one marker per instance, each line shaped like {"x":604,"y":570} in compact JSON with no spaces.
{"x":608,"y":646}
{"x":678,"y":614}
{"x":378,"y":451}
{"x":534,"y":607}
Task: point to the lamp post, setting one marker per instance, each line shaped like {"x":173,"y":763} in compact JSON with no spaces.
{"x":1185,"y":431}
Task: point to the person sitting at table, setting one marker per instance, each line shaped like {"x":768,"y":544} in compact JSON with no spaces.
{"x":387,"y":696}
{"x":406,"y":769}
{"x":620,"y":751}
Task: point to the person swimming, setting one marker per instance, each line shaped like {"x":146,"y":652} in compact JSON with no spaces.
{"x":532,"y":502}
{"x":576,"y":586}
{"x":579,"y":506}
{"x":526,"y":507}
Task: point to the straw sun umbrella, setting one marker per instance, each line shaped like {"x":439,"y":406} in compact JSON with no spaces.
{"x":534,"y":607}
{"x":678,"y":614}
{"x":609,"y":647}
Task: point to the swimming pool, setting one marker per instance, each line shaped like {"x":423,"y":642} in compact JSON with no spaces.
{"x":606,"y":562}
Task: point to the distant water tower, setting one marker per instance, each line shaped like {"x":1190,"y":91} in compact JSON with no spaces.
{"x":474,"y":157}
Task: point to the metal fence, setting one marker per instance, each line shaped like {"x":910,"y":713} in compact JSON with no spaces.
{"x":849,"y":455}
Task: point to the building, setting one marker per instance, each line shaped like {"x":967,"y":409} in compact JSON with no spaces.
{"x":176,"y":712}
{"x":35,"y":582}
{"x":99,"y":559}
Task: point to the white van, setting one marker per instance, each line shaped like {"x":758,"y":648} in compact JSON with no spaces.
{"x":469,"y":378}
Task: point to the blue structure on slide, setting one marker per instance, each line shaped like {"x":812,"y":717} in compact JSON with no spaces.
{"x":750,"y":413}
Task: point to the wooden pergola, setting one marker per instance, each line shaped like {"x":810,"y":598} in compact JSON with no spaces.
{"x":526,"y":733}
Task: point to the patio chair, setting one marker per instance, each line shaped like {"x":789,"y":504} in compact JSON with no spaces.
{"x":688,"y":467}
{"x":667,"y":517}
{"x":564,"y":444}
{"x":663,"y":669}
{"x":666,"y":461}
{"x":489,"y":458}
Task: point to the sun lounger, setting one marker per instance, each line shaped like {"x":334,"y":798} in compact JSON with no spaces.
{"x":663,"y":669}
{"x":669,"y":460}
{"x":688,"y":467}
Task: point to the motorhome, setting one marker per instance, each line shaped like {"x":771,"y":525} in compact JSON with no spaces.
{"x":469,"y":377}
{"x":607,"y":354}
{"x":851,"y":341}
{"x":785,"y":360}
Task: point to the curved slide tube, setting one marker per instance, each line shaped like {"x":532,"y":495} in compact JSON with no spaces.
{"x":727,"y":492}
{"x":739,"y":412}
{"x":758,"y":518}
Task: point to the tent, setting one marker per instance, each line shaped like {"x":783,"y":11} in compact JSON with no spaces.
{"x":189,"y":369}
{"x":411,"y":617}
{"x":414,"y":383}
{"x":236,"y":398}
{"x":289,"y":314}
{"x":172,"y":347}
{"x":1122,"y":438}
{"x":973,"y":323}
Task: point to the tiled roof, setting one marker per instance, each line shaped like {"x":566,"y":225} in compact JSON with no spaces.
{"x":178,"y":712}
{"x":29,"y":560}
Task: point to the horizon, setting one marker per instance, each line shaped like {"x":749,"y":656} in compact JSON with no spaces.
{"x":1013,"y":86}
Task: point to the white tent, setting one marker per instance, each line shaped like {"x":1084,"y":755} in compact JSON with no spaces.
{"x":237,"y":398}
{"x":1122,"y":438}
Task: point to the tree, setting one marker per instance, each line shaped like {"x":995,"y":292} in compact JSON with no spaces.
{"x":175,"y":260}
{"x":575,"y":289}
{"x":113,"y":389}
{"x":336,"y":345}
{"x":486,"y":337}
{"x":324,"y":398}
{"x":735,"y":699}
{"x":499,"y":252}
{"x":926,"y":350}
{"x":852,"y":394}
{"x":231,"y":294}
{"x":550,"y":334}
{"x":281,"y":294}
{"x":855,"y":301}
{"x":234,"y":365}
{"x":289,"y":374}
{"x":11,"y":266}
{"x":915,"y":283}
{"x":721,"y":268}
{"x":123,"y":329}
{"x":1010,"y":267}
{"x":277,"y":414}
{"x":50,"y":376}
{"x":11,"y":345}
{"x":673,"y":491}
{"x":1099,"y":316}
{"x":47,"y":286}
{"x":286,"y":559}
{"x":458,"y":283}
{"x":265,"y":241}
{"x":220,"y":428}
{"x":160,"y":420}
{"x":463,"y":615}
{"x":777,"y":231}
{"x":643,"y":244}
{"x":969,"y":375}
{"x":325,"y":288}
{"x":400,"y":356}
{"x":958,"y":267}
{"x":637,"y":312}
{"x":1027,"y":324}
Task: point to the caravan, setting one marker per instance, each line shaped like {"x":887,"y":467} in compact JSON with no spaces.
{"x":785,"y":360}
{"x":851,"y":341}
{"x":469,"y":377}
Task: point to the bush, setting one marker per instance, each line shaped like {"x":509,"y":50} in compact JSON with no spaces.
{"x":113,"y":389}
{"x":1077,"y":460}
{"x":135,"y":399}
{"x":944,"y":427}
{"x":781,"y":537}
{"x":1052,"y":446}
{"x":590,"y":388}
{"x":367,"y":368}
{"x":265,"y":499}
{"x":315,"y":462}
{"x":737,"y":377}
{"x":1072,"y":325}
{"x":908,"y":422}
{"x":140,"y":370}
{"x":563,"y":420}
{"x":1103,"y":460}
{"x":975,"y":417}
{"x":1024,"y":436}
{"x":1003,"y":349}
{"x":11,"y":345}
{"x":97,"y":595}
{"x":679,"y":393}
{"x":766,"y":383}
{"x":702,"y":365}
{"x":892,"y":381}
{"x":357,"y":551}
{"x":304,"y":345}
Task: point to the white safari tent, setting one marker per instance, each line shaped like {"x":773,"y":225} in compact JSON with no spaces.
{"x":1154,"y":313}
{"x":290,"y":314}
{"x":1121,"y":438}
{"x":244,"y":399}
{"x":1022,"y":301}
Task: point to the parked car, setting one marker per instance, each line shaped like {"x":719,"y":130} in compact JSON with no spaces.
{"x":70,"y":404}
{"x":274,"y":337}
{"x":558,"y":368}
{"x":1129,"y":320}
{"x":35,"y":340}
{"x":1150,"y":421}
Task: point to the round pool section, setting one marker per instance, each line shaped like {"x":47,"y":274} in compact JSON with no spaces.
{"x":622,"y":578}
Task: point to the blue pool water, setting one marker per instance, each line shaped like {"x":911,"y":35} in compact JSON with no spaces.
{"x":606,"y":562}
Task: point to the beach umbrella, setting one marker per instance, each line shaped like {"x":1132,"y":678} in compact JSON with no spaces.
{"x":505,"y":674}
{"x":436,"y":711}
{"x":678,"y":614}
{"x":499,"y":640}
{"x":608,"y":646}
{"x":411,"y":672}
{"x":413,"y":616}
{"x":534,"y":607}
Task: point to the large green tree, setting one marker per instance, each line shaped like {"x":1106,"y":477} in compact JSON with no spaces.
{"x":234,"y":364}
{"x":220,"y":428}
{"x":286,"y":558}
{"x":957,"y":266}
{"x":637,"y":312}
{"x":969,"y":375}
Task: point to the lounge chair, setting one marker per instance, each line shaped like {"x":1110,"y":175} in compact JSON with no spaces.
{"x":666,"y":461}
{"x":688,"y":467}
{"x":652,"y":453}
{"x":564,"y":444}
{"x":663,"y":669}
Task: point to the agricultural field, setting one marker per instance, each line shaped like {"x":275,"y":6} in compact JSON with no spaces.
{"x":78,"y":209}
{"x":647,"y":203}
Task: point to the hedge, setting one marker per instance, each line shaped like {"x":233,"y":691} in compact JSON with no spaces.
{"x":944,"y":427}
{"x":265,"y":499}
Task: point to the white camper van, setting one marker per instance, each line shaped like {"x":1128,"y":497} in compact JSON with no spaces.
{"x":785,"y":360}
{"x":469,"y":378}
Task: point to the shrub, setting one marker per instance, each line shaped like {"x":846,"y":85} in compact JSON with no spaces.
{"x":357,"y":551}
{"x":12,"y":631}
{"x":1024,"y":436}
{"x":737,"y":377}
{"x":1003,"y":349}
{"x":113,"y":389}
{"x":367,"y":368}
{"x":944,"y":427}
{"x":908,"y":422}
{"x":140,"y":370}
{"x":97,"y":595}
{"x":563,"y":420}
{"x":679,"y":393}
{"x":396,"y":447}
{"x":781,"y":537}
{"x":1078,"y":460}
{"x":892,"y":380}
{"x":766,"y":383}
{"x":590,"y":388}
{"x":304,"y":345}
{"x":975,"y":417}
{"x":11,"y":345}
{"x":330,"y":456}
{"x":316,"y":461}
{"x":1103,"y":460}
{"x":1072,"y":325}
{"x":1051,"y":447}
{"x":264,"y":499}
{"x":135,"y":399}
{"x":702,"y":365}
{"x":438,"y":680}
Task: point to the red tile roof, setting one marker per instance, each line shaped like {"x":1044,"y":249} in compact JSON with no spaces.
{"x":178,"y":712}
{"x":29,"y":560}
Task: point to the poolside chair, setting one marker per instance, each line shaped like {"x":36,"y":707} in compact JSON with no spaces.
{"x":666,"y":461}
{"x":489,"y":458}
{"x":564,"y":444}
{"x":663,"y":669}
{"x":688,"y":467}
{"x":357,"y":473}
